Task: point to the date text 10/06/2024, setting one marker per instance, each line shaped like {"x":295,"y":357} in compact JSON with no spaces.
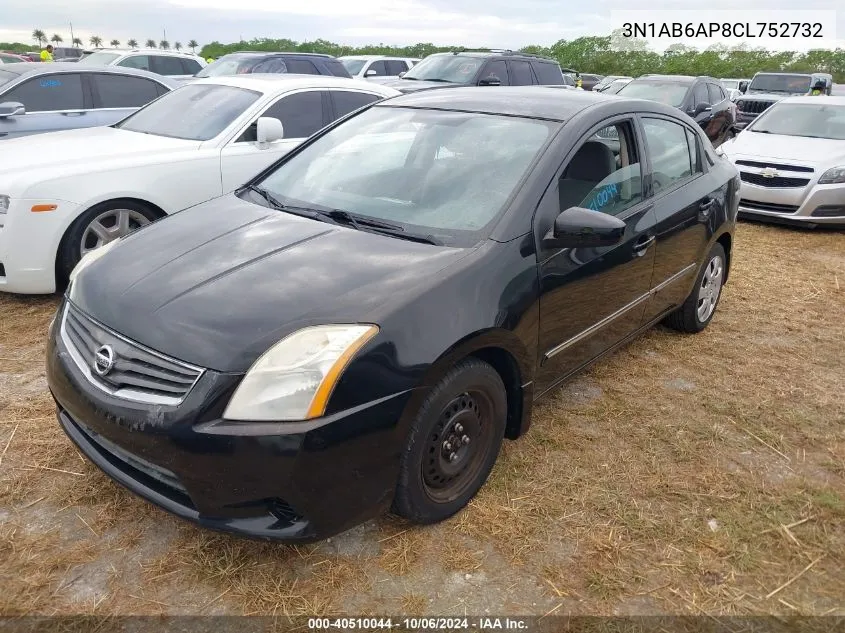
{"x":481,"y":624}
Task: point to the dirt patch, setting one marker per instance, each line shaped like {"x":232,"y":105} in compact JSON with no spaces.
{"x":683,"y":474}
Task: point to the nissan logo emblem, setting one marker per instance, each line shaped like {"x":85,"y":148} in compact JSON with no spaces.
{"x":103,"y":360}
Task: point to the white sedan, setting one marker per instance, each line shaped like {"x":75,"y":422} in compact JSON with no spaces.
{"x":64,"y":194}
{"x":791,"y":160}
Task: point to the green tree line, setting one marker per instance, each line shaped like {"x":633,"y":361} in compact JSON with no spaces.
{"x":600,"y":55}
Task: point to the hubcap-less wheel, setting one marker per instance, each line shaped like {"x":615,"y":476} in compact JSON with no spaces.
{"x":711,"y":286}
{"x":109,"y":226}
{"x":458,"y":447}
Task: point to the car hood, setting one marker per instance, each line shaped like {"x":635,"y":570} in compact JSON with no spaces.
{"x":811,"y":151}
{"x":81,"y":148}
{"x":218,"y":284}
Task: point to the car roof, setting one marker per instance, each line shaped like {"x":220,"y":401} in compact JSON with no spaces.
{"x":822,"y":100}
{"x":373,"y":57}
{"x":540,"y":102}
{"x":271,"y":82}
{"x":30,"y":69}
{"x":774,"y":72}
{"x":678,"y":78}
{"x":157,"y":51}
{"x":272,"y":53}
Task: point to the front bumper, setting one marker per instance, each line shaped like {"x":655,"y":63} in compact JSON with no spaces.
{"x":815,"y":205}
{"x":295,"y":482}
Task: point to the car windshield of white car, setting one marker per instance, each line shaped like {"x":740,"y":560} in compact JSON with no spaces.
{"x":232,"y":64}
{"x":803,"y":119}
{"x":438,"y":173}
{"x":354,"y":66}
{"x":453,"y":69}
{"x":99,"y":59}
{"x":195,"y":112}
{"x":671,"y":93}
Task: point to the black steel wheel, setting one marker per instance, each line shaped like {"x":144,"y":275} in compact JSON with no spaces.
{"x":454,"y":442}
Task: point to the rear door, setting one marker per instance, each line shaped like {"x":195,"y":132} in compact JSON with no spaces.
{"x":396,"y":66}
{"x":497,"y":68}
{"x":521,"y":73}
{"x":593,"y":298}
{"x":377,"y":68}
{"x":54,"y":101}
{"x":302,"y":113}
{"x":168,"y":65}
{"x":684,"y":207}
{"x":345,"y":101}
{"x":117,"y":96}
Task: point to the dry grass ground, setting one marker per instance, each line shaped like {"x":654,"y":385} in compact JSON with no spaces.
{"x":684,"y":474}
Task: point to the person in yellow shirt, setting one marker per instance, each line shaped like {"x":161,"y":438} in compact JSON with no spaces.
{"x":47,"y":54}
{"x":209,"y":59}
{"x":818,"y":89}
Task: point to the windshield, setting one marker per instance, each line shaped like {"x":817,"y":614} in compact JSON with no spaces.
{"x":101,"y":58}
{"x":456,"y":69}
{"x":6,"y":77}
{"x":229,"y":65}
{"x":803,"y":119}
{"x":730,"y":84}
{"x":615,"y":86}
{"x":193,"y":112}
{"x":439,"y":173}
{"x":353,"y":66}
{"x":790,"y":84}
{"x":668,"y":92}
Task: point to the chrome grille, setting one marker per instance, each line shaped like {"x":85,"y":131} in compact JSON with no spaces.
{"x":767,"y":206}
{"x":753,"y":106}
{"x":796,"y":168}
{"x":137,"y":373}
{"x":775,"y":181}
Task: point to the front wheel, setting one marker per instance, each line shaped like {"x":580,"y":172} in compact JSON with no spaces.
{"x":454,"y":442}
{"x":697,"y":311}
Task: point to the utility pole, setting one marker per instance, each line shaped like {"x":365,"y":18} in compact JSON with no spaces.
{"x":71,"y":34}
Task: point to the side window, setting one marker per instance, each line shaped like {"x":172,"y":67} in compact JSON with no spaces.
{"x":499,"y":69}
{"x":166,"y":65}
{"x":695,"y":154}
{"x":379,"y":66}
{"x":669,"y":151}
{"x":345,"y":101}
{"x":275,"y":66}
{"x":395,"y":66}
{"x":49,"y":93}
{"x":119,"y":91}
{"x":699,"y":95}
{"x":141,"y":62}
{"x":715,"y":93}
{"x":605,"y":174}
{"x":302,"y":66}
{"x":301,"y":115}
{"x":550,"y":74}
{"x":190,"y":66}
{"x":521,"y":74}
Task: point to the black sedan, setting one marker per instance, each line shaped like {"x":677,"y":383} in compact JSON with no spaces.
{"x":360,"y":326}
{"x":702,"y":98}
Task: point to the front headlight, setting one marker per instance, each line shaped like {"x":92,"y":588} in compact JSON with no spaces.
{"x":90,"y":258}
{"x":833,"y":176}
{"x":294,"y":379}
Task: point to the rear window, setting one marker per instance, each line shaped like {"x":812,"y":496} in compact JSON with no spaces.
{"x":549,"y":74}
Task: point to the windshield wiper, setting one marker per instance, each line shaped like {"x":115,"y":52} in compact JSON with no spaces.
{"x":356,"y":221}
{"x":445,"y":81}
{"x":762,"y":131}
{"x":409,"y":78}
{"x":269,"y":197}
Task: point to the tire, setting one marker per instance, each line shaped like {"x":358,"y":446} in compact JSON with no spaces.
{"x":470,"y":402}
{"x":81,"y":236}
{"x":692,"y":316}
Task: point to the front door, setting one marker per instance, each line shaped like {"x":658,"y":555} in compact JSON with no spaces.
{"x":593,"y":298}
{"x":53,"y":102}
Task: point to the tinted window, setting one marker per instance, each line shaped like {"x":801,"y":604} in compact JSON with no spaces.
{"x":521,"y":74}
{"x":336,"y":68}
{"x":136,"y":61}
{"x":345,"y":102}
{"x":379,"y":66}
{"x":49,"y":93}
{"x":301,"y":113}
{"x":498,"y":69}
{"x":118,"y":91}
{"x":669,"y":152}
{"x":456,"y":69}
{"x":190,"y":66}
{"x":302,"y":66}
{"x":605,"y":173}
{"x":715,"y":93}
{"x":166,"y":65}
{"x":699,"y":94}
{"x":549,"y":74}
{"x":695,"y":156}
{"x":669,"y":92}
{"x":395,"y":66}
{"x":273,"y":65}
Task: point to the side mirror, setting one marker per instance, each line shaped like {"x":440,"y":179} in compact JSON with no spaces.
{"x":11,"y":108}
{"x":268,"y":130}
{"x":702,"y":108}
{"x":492,"y":80}
{"x":743,"y":86}
{"x":370,"y":73}
{"x":402,"y":74}
{"x":583,"y":228}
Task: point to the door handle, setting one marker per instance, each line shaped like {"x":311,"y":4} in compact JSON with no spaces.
{"x":76,"y":113}
{"x":642,"y":244}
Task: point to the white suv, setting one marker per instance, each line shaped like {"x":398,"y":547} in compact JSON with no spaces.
{"x":170,"y":63}
{"x":361,"y":66}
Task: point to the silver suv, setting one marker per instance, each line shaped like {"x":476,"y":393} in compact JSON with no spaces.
{"x":169,"y":63}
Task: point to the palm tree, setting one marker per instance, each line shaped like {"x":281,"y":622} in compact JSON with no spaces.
{"x":38,"y":36}
{"x":164,"y":44}
{"x":193,"y":44}
{"x":133,"y":43}
{"x":95,"y":41}
{"x":77,"y":42}
{"x":151,"y":43}
{"x":115,"y":43}
{"x":56,"y":39}
{"x":178,"y":46}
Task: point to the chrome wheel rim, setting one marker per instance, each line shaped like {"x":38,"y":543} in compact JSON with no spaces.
{"x":710,"y":288}
{"x":109,"y":226}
